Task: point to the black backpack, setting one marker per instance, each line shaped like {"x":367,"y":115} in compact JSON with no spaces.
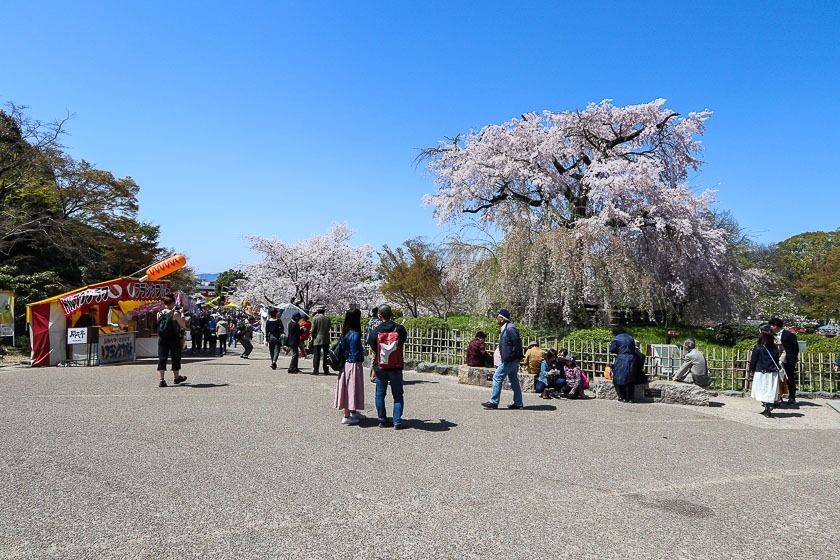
{"x":336,"y":356}
{"x":167,"y":326}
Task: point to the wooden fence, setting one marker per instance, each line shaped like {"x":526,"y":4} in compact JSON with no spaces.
{"x":815,"y":371}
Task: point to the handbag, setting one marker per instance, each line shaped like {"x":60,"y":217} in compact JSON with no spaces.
{"x":780,"y":369}
{"x":608,"y":372}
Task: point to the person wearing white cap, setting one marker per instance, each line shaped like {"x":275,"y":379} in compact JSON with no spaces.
{"x":510,"y":346}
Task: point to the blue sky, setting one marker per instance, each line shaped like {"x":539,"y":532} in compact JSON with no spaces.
{"x":280,"y":118}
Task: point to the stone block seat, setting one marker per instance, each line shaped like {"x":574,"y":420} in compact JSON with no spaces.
{"x":668,"y":392}
{"x":483,"y":377}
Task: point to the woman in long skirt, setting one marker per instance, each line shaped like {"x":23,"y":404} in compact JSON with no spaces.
{"x":764,"y":369}
{"x":350,"y":388}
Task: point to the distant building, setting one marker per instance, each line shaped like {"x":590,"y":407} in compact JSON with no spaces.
{"x":206,"y":289}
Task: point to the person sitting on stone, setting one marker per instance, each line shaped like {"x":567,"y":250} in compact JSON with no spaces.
{"x":550,"y":378}
{"x":533,"y":360}
{"x":477,"y":355}
{"x":694,"y":368}
{"x":573,"y":377}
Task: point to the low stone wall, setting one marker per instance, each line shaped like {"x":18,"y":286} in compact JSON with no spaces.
{"x":668,"y":392}
{"x":483,"y":377}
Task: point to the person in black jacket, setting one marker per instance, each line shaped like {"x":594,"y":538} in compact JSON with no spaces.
{"x":764,"y":370}
{"x":510,"y":347}
{"x":293,"y":342}
{"x":274,"y":334}
{"x":790,"y":345}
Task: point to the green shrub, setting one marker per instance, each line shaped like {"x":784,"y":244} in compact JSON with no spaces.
{"x":732,"y":332}
{"x":820,"y":344}
{"x":589,"y":335}
{"x":426,"y":323}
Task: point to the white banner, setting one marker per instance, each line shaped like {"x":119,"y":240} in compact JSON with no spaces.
{"x":7,"y":313}
{"x":77,"y":336}
{"x":117,"y":347}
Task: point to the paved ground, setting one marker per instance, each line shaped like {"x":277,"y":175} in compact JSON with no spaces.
{"x":244,"y":462}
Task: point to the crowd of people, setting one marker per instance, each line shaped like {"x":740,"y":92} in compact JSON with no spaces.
{"x":384,"y":337}
{"x":557,"y":374}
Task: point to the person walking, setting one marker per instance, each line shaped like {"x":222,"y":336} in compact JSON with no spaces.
{"x":170,"y":322}
{"x":321,"y":340}
{"x":624,"y":367}
{"x":387,"y":341}
{"x":510,"y":349}
{"x":247,"y":330}
{"x":274,"y":335}
{"x":764,"y":370}
{"x":789,"y":357}
{"x":196,"y":333}
{"x":694,"y":368}
{"x":350,"y":387}
{"x":293,"y":342}
{"x":222,"y":335}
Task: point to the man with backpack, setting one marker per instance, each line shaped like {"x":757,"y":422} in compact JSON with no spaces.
{"x":387,"y":341}
{"x":245,"y":333}
{"x":170,"y":322}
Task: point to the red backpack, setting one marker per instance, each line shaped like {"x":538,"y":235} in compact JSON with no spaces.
{"x":390,"y":355}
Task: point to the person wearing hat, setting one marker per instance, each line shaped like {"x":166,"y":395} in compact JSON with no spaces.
{"x":510,"y":348}
{"x":293,"y":342}
{"x":320,"y":340}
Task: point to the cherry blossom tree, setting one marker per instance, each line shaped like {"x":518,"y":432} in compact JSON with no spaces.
{"x":324,"y":269}
{"x":595,"y":209}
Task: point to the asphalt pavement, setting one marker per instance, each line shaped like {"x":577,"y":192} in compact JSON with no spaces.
{"x":246,"y":462}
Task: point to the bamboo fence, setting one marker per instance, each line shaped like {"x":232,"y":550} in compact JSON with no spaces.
{"x":727,"y":367}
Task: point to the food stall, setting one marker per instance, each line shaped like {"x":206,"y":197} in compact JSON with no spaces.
{"x":99,"y":323}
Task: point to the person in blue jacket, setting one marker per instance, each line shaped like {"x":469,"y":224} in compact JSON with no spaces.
{"x":764,"y":370}
{"x":510,"y":347}
{"x":623,"y":369}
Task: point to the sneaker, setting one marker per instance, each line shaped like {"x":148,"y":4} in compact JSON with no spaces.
{"x":162,"y":383}
{"x":273,"y":366}
{"x":350,"y":421}
{"x":489,"y":405}
{"x":516,"y":406}
{"x":385,"y":423}
{"x":180,"y":379}
{"x":399,"y":426}
{"x":357,"y":415}
{"x":766,"y":413}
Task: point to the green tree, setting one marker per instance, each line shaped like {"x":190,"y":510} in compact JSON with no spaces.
{"x":225,"y":281}
{"x":413,"y":276}
{"x":28,"y":288}
{"x":796,"y":255}
{"x":821,"y":287}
